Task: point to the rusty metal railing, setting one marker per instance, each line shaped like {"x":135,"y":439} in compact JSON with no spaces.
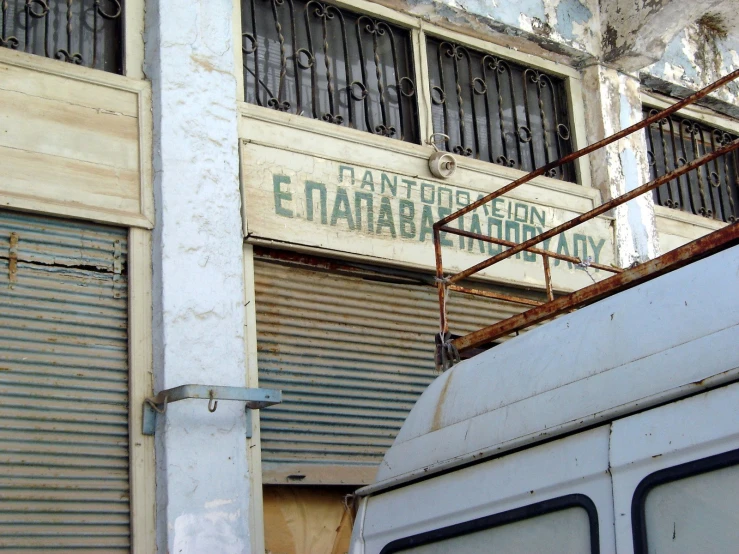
{"x":448,"y":348}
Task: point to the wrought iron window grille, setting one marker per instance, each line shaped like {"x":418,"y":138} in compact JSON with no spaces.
{"x":498,"y":111}
{"x":314,"y":59}
{"x":80,"y":32}
{"x":712,"y":190}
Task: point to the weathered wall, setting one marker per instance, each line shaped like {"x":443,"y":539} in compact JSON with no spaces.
{"x":564,"y":30}
{"x":636,"y":33}
{"x":202,"y":473}
{"x":621,"y":166}
{"x":700,"y":53}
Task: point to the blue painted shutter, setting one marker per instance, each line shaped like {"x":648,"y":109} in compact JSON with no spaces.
{"x":64,"y":466}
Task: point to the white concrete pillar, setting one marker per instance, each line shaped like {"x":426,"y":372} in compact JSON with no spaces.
{"x":202,"y":473}
{"x":613,"y":104}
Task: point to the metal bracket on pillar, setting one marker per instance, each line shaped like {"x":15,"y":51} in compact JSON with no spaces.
{"x":254,"y":399}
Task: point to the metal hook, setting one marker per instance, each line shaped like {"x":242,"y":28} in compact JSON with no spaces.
{"x":163,"y":409}
{"x":212,"y":403}
{"x":432,"y":142}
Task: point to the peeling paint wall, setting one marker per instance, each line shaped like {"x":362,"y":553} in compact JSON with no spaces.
{"x":202,"y":473}
{"x":563,"y":30}
{"x":703,"y":51}
{"x":621,"y":166}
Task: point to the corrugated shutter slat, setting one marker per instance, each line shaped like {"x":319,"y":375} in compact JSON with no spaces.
{"x":351,"y":356}
{"x":64,"y":459}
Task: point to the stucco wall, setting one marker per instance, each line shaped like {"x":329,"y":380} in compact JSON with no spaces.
{"x":705,"y":50}
{"x":202,"y":473}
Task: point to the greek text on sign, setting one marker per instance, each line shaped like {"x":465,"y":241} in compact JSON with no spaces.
{"x":358,"y":210}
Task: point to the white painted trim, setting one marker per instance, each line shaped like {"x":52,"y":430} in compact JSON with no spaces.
{"x":71,"y":71}
{"x":549,"y":66}
{"x":141,"y":447}
{"x":423,"y":90}
{"x":688,"y":219}
{"x":238,"y":54}
{"x":699,"y":113}
{"x":62,"y":209}
{"x":378,"y":10}
{"x":61,"y":206}
{"x":133,"y":39}
{"x":253,"y":445}
{"x":146,"y":153}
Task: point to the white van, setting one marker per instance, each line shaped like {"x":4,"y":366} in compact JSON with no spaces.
{"x":612,"y":429}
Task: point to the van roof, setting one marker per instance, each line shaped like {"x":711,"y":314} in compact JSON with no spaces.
{"x":661,"y":340}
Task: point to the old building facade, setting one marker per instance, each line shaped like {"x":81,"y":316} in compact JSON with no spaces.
{"x":239,"y":194}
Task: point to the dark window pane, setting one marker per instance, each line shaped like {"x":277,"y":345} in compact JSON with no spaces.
{"x":710,"y":190}
{"x":316,"y":60}
{"x":498,"y":111}
{"x":81,"y":32}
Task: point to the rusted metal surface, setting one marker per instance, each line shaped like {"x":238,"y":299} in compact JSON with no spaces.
{"x":494,"y":240}
{"x":13,"y":260}
{"x":495,"y":295}
{"x":600,"y":210}
{"x":548,"y":277}
{"x":591,"y":293}
{"x":693,"y":251}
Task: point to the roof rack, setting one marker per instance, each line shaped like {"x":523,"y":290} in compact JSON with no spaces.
{"x":448,"y":347}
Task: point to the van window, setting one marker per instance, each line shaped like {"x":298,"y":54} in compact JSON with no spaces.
{"x":689,"y":508}
{"x":567,"y":524}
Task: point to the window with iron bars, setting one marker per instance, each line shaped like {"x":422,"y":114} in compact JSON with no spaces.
{"x":712,"y":190}
{"x":316,"y":60}
{"x":80,"y":32}
{"x":354,"y":70}
{"x":498,"y":111}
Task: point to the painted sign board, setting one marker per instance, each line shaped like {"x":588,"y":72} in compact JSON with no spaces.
{"x":348,"y":208}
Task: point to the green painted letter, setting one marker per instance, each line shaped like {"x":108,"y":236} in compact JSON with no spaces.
{"x":407,"y":216}
{"x":281,"y":195}
{"x":385,"y":219}
{"x":310,"y":186}
{"x":359,"y":197}
{"x":342,"y":209}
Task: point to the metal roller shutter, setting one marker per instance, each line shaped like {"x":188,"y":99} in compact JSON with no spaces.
{"x":351,"y":355}
{"x":64,"y":480}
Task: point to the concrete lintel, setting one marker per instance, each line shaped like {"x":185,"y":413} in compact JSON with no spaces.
{"x":636,"y":34}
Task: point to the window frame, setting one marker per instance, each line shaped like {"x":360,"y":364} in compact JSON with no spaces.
{"x":670,"y":475}
{"x":132,"y":44}
{"x":706,"y":116}
{"x":418,"y":29}
{"x":515,"y":515}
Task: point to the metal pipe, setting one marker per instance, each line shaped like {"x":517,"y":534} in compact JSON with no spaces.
{"x":701,"y":248}
{"x":440,"y":284}
{"x":539,"y":251}
{"x":603,"y":208}
{"x":548,"y":277}
{"x":254,"y":398}
{"x":588,"y":149}
{"x":496,"y":295}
